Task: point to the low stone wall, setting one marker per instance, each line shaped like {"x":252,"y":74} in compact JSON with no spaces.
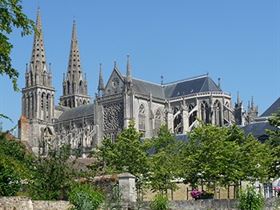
{"x":23,"y":203}
{"x":207,"y":204}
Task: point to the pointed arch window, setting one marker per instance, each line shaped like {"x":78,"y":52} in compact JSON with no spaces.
{"x":217,"y":113}
{"x":68,"y":87}
{"x":158,"y":120}
{"x":141,"y":118}
{"x":205,"y":112}
{"x":81,"y":87}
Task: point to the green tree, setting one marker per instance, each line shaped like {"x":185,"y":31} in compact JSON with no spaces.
{"x":15,"y":166}
{"x":224,"y":156}
{"x":126,"y":154}
{"x":274,"y":144}
{"x":255,"y":160}
{"x":11,"y":17}
{"x":164,"y":161}
{"x":53,"y":176}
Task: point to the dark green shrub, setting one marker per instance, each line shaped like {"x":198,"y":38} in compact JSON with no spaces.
{"x":249,"y":199}
{"x":160,"y":202}
{"x":85,"y":197}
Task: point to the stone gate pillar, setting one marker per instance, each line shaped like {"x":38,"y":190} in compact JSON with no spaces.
{"x":127,"y":187}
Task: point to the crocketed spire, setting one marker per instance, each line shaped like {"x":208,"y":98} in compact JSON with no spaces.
{"x":75,"y":91}
{"x":38,"y":57}
{"x":74,"y":64}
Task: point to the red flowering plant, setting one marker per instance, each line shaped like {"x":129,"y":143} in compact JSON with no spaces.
{"x":197,"y":194}
{"x":277,"y":190}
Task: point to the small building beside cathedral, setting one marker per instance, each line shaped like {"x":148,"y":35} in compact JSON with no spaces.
{"x":82,"y":123}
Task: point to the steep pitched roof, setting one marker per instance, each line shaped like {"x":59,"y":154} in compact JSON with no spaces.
{"x":257,"y":128}
{"x":190,"y":86}
{"x":78,"y":112}
{"x":272,"y":109}
{"x":145,"y":88}
{"x":179,"y":88}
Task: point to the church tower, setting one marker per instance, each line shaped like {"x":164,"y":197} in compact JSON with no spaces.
{"x":38,"y":94}
{"x":75,"y":91}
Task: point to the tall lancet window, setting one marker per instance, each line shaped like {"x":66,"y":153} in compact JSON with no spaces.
{"x":217,"y":113}
{"x":68,"y":87}
{"x":141,"y":118}
{"x":158,"y":121}
{"x":81,"y":90}
{"x":205,"y":114}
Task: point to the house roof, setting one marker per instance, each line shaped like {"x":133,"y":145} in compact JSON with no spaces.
{"x":272,"y":109}
{"x":77,"y":112}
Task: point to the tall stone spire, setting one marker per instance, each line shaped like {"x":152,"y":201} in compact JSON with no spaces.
{"x":75,"y":91}
{"x":74,"y":64}
{"x":38,"y":57}
{"x":101,"y":87}
{"x":38,"y":93}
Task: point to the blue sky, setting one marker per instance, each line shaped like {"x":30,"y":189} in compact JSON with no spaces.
{"x":238,"y":41}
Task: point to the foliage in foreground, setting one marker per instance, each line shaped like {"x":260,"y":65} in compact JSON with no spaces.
{"x":11,"y":17}
{"x":164,"y":161}
{"x":15,"y":170}
{"x":85,"y":197}
{"x":249,"y":199}
{"x":222,"y":156}
{"x":126,"y":154}
{"x":53,"y":176}
{"x":160,"y":202}
{"x":274,"y":143}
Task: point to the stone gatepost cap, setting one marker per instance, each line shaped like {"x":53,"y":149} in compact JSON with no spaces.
{"x":125,"y":175}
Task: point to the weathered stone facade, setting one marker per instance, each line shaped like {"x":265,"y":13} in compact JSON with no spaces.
{"x":83,"y":124}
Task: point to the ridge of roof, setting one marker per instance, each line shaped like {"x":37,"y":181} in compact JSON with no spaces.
{"x":187,"y":79}
{"x":141,"y":80}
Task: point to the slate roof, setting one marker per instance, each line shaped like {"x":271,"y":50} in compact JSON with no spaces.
{"x":272,"y":109}
{"x":191,"y":86}
{"x":145,"y":88}
{"x":77,"y":112}
{"x":257,"y":129}
{"x":176,"y":89}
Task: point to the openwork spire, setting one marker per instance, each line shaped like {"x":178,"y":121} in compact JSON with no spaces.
{"x":100,"y":82}
{"x":74,"y":64}
{"x":38,"y":58}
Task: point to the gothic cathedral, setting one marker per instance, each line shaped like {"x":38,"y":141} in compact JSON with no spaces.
{"x":83,"y":123}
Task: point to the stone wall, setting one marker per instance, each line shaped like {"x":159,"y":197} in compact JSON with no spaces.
{"x":208,"y":204}
{"x":23,"y":203}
